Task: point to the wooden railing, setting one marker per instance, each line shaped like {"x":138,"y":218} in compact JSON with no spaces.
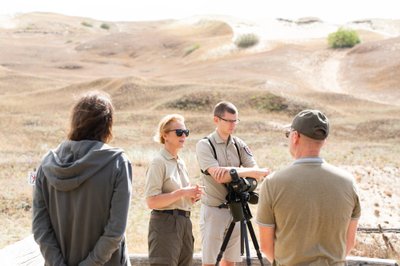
{"x":26,"y":252}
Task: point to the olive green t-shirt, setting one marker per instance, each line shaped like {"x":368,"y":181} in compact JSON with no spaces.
{"x":166,"y":174}
{"x":310,"y":204}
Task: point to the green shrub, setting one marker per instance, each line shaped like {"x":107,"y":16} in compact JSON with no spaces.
{"x":194,"y":101}
{"x":269,"y":102}
{"x":86,"y":24}
{"x":246,"y":40}
{"x":105,"y":26}
{"x":343,"y":38}
{"x":191,"y":49}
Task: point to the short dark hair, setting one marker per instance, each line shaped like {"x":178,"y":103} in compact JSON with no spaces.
{"x":222,"y":107}
{"x":92,"y":118}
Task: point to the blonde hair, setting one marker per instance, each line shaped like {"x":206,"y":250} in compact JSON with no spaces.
{"x":164,"y":126}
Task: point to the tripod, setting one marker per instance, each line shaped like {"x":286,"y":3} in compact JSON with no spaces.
{"x":244,"y":241}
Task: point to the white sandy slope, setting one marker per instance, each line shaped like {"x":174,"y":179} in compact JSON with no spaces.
{"x":271,"y":32}
{"x":8,"y":22}
{"x":282,"y":29}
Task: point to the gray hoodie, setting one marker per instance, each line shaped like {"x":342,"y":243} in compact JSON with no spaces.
{"x":80,"y":204}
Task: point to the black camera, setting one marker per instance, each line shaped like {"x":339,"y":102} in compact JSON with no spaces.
{"x":240,"y":191}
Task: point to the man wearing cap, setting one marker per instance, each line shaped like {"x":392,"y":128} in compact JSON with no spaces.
{"x":218,"y":153}
{"x":308,"y":212}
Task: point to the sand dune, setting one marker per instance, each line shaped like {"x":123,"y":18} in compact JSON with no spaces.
{"x":186,"y":66}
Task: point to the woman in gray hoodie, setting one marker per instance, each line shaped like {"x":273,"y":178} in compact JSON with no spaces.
{"x":82,"y":192}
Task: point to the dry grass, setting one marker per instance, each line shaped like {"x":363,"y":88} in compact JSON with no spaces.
{"x":269,"y":147}
{"x":149,"y":81}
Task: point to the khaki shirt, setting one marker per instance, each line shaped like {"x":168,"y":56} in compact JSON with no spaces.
{"x":310,"y":204}
{"x":166,"y":174}
{"x":227,"y":156}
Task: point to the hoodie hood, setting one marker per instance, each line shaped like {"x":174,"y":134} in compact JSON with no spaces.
{"x":73,"y":162}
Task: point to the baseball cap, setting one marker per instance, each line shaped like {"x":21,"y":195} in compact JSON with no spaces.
{"x":311,"y":123}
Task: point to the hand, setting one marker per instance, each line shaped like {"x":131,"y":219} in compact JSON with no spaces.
{"x":199,"y":193}
{"x":193,"y":192}
{"x":262,"y":172}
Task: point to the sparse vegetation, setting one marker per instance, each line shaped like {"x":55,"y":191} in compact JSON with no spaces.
{"x":191,"y":49}
{"x":269,"y":102}
{"x":86,"y":24}
{"x":343,"y":38}
{"x":105,"y":26}
{"x":246,"y":40}
{"x":194,"y":102}
{"x":70,"y":66}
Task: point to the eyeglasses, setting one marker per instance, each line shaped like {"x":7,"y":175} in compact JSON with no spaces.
{"x":235,"y":121}
{"x":180,"y":132}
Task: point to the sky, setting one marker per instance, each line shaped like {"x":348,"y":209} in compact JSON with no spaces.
{"x":336,"y":11}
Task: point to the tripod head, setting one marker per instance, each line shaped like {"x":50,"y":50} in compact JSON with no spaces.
{"x":240,"y":193}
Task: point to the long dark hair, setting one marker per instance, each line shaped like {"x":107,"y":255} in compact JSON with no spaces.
{"x":92,"y":118}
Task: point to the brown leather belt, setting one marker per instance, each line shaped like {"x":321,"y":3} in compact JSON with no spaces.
{"x":175,"y":212}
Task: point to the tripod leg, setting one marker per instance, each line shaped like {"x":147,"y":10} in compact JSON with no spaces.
{"x":225,"y":242}
{"x":246,"y":241}
{"x":255,"y":243}
{"x":242,"y":234}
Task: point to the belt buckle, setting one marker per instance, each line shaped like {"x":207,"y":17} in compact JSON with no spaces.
{"x":183,"y":213}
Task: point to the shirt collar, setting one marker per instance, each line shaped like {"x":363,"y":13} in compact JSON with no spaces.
{"x":219,"y":140}
{"x":167,"y":155}
{"x":316,"y":160}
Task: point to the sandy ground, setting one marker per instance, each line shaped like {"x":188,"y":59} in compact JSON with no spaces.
{"x":151,"y":68}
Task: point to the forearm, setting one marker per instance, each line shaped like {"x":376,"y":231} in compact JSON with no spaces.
{"x":162,"y":200}
{"x":351,"y":235}
{"x":221,"y":174}
{"x":257,"y":173}
{"x":269,"y":253}
{"x":267,"y":242}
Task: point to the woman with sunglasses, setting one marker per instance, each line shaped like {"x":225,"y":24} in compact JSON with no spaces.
{"x":170,"y":196}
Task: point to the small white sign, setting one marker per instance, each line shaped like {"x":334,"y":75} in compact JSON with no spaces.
{"x":32,"y":177}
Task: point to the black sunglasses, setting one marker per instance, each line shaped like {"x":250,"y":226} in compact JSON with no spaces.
{"x":180,"y":132}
